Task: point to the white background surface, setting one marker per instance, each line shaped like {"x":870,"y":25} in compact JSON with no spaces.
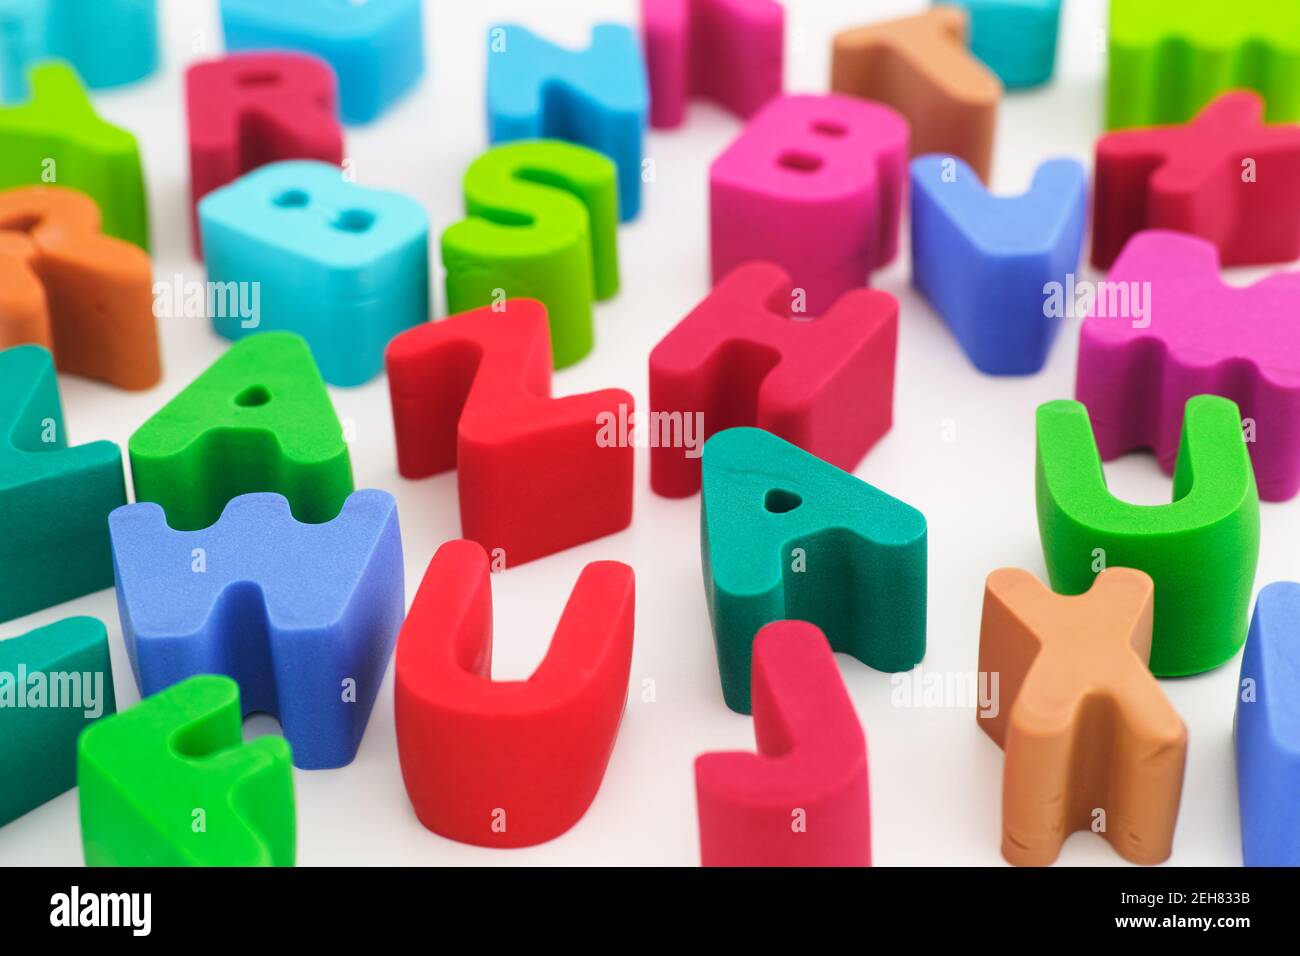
{"x":935,"y":777}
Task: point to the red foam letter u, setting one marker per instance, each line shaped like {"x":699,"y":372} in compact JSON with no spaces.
{"x":508,"y":763}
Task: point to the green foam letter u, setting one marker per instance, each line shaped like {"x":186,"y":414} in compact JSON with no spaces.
{"x":1200,"y":550}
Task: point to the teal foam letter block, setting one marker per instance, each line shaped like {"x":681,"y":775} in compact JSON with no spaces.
{"x":54,"y":681}
{"x":1016,"y":39}
{"x":785,"y":535}
{"x":54,"y":500}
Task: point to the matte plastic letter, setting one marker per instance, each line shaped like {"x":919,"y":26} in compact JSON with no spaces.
{"x":170,"y":782}
{"x":109,"y":42}
{"x":344,"y":266}
{"x":56,"y":136}
{"x":985,"y":262}
{"x":1168,"y":58}
{"x":1225,"y":176}
{"x":1200,"y":550}
{"x":728,"y":51}
{"x":54,"y":682}
{"x":741,"y":358}
{"x":1267,"y":730}
{"x":1091,"y":741}
{"x":54,"y":499}
{"x":814,"y":184}
{"x":1016,"y":39}
{"x":922,"y":67}
{"x":803,"y":799}
{"x":303,"y":616}
{"x":595,"y":97}
{"x":68,"y":287}
{"x":542,"y":223}
{"x":375,"y":47}
{"x":1186,"y":332}
{"x":249,"y":109}
{"x":786,"y":535}
{"x":508,"y":763}
{"x":536,"y":474}
{"x":259,"y":419}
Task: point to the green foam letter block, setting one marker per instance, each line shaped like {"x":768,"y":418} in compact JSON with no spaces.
{"x":259,"y":419}
{"x":54,"y":500}
{"x":56,"y":138}
{"x":1168,"y":58}
{"x":1200,"y":550}
{"x":170,"y":782}
{"x":542,"y":224}
{"x":54,"y":681}
{"x":785,"y":535}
